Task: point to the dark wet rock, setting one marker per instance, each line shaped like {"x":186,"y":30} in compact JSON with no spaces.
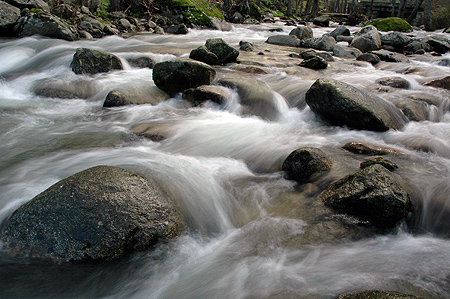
{"x":204,"y":55}
{"x":325,"y":43}
{"x":64,"y":11}
{"x":389,"y":165}
{"x":369,"y":57}
{"x":444,"y":62}
{"x":389,"y":56}
{"x":256,"y":97}
{"x":223,"y":51}
{"x":177,"y":29}
{"x":245,"y":46}
{"x":346,"y":52}
{"x":373,"y":195}
{"x":315,"y":63}
{"x":99,"y":214}
{"x":40,"y":4}
{"x":306,"y":164}
{"x":440,"y":83}
{"x":88,"y":61}
{"x":326,"y":56}
{"x":396,"y":82}
{"x":178,"y":75}
{"x":61,"y":89}
{"x":302,"y":32}
{"x":369,"y":149}
{"x":341,"y":30}
{"x":205,"y":93}
{"x":343,"y":38}
{"x":284,"y":40}
{"x":413,"y":110}
{"x":441,"y":47}
{"x":395,"y":39}
{"x":308,"y":54}
{"x":9,"y":15}
{"x":142,"y":62}
{"x":323,"y":21}
{"x":343,"y":104}
{"x":367,"y":39}
{"x":135,"y":96}
{"x":154,"y":131}
{"x":45,"y":24}
{"x":375,"y":294}
{"x":415,"y":46}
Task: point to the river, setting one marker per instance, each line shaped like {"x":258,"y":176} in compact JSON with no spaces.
{"x":251,"y":232}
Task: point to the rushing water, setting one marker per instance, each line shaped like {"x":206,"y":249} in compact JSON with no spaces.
{"x":251,"y":233}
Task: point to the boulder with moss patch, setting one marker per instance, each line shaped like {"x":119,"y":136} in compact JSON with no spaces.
{"x":88,"y":61}
{"x":391,"y":24}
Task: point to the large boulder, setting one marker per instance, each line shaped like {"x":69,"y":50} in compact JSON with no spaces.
{"x":343,"y":104}
{"x":395,"y":39}
{"x":284,"y":40}
{"x":45,"y":24}
{"x":178,"y":75}
{"x":367,"y":39}
{"x":439,"y":46}
{"x":306,"y":164}
{"x":391,"y":24}
{"x":9,"y":15}
{"x":88,"y":61}
{"x":302,"y":32}
{"x":373,"y":195}
{"x":325,"y":43}
{"x":440,"y":83}
{"x":346,"y":52}
{"x":223,"y":51}
{"x":323,"y":21}
{"x":340,"y":31}
{"x":135,"y":96}
{"x":396,"y":82}
{"x":40,"y":4}
{"x":204,"y":55}
{"x":99,"y":214}
{"x":255,"y":97}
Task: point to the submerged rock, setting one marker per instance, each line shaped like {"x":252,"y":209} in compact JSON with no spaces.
{"x":440,"y":83}
{"x":367,"y":39}
{"x":396,"y":82}
{"x":306,"y":164}
{"x":135,"y":96}
{"x":178,"y":75}
{"x":374,"y":294}
{"x":343,"y":104}
{"x":88,"y":61}
{"x":372,"y":195}
{"x":99,"y":214}
{"x":369,"y":149}
{"x":205,"y":93}
{"x":389,"y":165}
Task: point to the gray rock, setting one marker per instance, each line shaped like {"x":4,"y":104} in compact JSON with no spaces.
{"x":135,"y":96}
{"x":440,"y":83}
{"x":177,"y":29}
{"x":389,"y":56}
{"x":315,"y":63}
{"x":374,"y":294}
{"x":205,"y":93}
{"x":99,"y":214}
{"x":223,"y":51}
{"x":284,"y":40}
{"x":395,"y":39}
{"x":323,"y":21}
{"x":367,"y":39}
{"x":369,"y":149}
{"x":125,"y":25}
{"x":255,"y":96}
{"x":61,"y":89}
{"x":325,"y":43}
{"x":87,"y":61}
{"x":343,"y":104}
{"x":343,"y":38}
{"x":369,"y":57}
{"x":9,"y":15}
{"x":45,"y":24}
{"x":246,"y":46}
{"x":415,"y":46}
{"x":396,"y":82}
{"x":178,"y":75}
{"x":389,"y":165}
{"x":413,"y":110}
{"x":346,"y":52}
{"x":302,"y":32}
{"x":204,"y":55}
{"x":306,"y":164}
{"x":142,"y":62}
{"x":340,"y":31}
{"x":64,"y":11}
{"x":40,"y":4}
{"x":373,"y":195}
{"x":438,"y":46}
{"x":326,"y":56}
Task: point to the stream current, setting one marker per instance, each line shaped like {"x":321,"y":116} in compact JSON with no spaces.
{"x":251,"y":233}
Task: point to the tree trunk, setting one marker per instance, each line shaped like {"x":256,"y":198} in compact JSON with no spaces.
{"x":289,"y":8}
{"x":345,"y":6}
{"x":227,"y":5}
{"x":427,"y":16}
{"x":352,"y":7}
{"x":336,"y":6}
{"x":115,"y":5}
{"x":371,"y":10}
{"x":315,"y":8}
{"x":307,"y":7}
{"x":412,"y":16}
{"x":393,"y":8}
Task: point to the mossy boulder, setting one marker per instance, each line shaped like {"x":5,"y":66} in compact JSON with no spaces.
{"x":99,"y":214}
{"x":178,"y":75}
{"x":88,"y":61}
{"x":204,"y":55}
{"x":306,"y":164}
{"x":373,"y":195}
{"x":391,"y":24}
{"x":198,"y":12}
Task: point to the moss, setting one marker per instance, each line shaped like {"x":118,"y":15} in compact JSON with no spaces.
{"x":197,"y":12}
{"x":391,"y":24}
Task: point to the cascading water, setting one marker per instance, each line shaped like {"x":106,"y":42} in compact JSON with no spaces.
{"x":251,"y":233}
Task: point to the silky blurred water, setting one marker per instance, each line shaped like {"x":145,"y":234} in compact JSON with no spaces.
{"x":251,"y":233}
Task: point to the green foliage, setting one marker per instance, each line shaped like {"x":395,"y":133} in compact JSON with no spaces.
{"x":440,"y":19}
{"x":391,"y":24}
{"x":101,"y":12}
{"x":197,"y":12}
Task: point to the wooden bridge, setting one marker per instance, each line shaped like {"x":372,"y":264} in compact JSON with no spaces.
{"x":383,"y":9}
